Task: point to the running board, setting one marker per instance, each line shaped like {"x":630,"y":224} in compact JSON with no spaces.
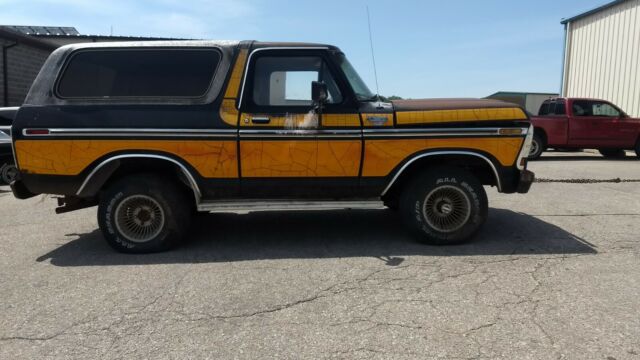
{"x":284,"y":205}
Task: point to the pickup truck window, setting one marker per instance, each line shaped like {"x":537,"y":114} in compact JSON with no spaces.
{"x":544,"y":109}
{"x":286,"y":81}
{"x":594,"y":108}
{"x":125,"y":73}
{"x":561,"y":108}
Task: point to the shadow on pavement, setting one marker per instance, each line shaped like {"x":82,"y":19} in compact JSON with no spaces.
{"x":324,"y":234}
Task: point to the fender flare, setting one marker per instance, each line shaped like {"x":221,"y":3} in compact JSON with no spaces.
{"x":444,"y":153}
{"x":107,"y":167}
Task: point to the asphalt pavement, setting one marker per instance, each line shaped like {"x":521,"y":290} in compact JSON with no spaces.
{"x":554,"y":274}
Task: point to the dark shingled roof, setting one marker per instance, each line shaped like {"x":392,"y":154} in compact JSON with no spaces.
{"x":43,"y":30}
{"x":21,"y":38}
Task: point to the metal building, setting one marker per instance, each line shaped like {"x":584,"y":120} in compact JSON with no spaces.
{"x":602,"y":55}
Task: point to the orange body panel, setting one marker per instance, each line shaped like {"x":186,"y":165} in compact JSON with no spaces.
{"x":463,"y":115}
{"x":228,"y":111}
{"x":303,"y":121}
{"x":382,"y":156}
{"x":341,"y":120}
{"x":212,"y":159}
{"x":323,"y":158}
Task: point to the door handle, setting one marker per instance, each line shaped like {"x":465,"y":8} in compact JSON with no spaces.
{"x":260,"y":120}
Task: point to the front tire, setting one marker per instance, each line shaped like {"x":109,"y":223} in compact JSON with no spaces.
{"x":613,"y":153}
{"x":538,"y":146}
{"x":638,"y":149}
{"x":142,"y":214}
{"x":445,"y":206}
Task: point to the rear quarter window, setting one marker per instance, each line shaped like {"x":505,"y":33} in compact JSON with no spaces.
{"x":544,"y":109}
{"x":138,"y":73}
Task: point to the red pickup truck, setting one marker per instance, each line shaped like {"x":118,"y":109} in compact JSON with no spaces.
{"x":570,"y":123}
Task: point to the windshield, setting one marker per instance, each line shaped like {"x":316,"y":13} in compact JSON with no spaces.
{"x":359,"y":87}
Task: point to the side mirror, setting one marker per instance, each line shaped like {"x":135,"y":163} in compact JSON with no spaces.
{"x":319,"y":93}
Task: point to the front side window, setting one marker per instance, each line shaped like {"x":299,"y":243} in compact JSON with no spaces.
{"x":594,"y":108}
{"x":127,"y":73}
{"x":604,"y":109}
{"x":286,"y":81}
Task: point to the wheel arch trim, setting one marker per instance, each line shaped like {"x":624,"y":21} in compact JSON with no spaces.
{"x":190,"y":178}
{"x":443,"y":153}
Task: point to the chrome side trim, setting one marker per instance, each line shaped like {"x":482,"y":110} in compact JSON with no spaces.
{"x":185,"y":171}
{"x":246,"y":68}
{"x":232,"y":133}
{"x":117,"y":132}
{"x":279,"y":205}
{"x":331,"y":134}
{"x":421,"y":132}
{"x":437,"y":153}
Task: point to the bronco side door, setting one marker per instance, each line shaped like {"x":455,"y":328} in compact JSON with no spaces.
{"x":287,"y":149}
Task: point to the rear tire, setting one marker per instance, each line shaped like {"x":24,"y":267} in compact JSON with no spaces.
{"x":444,"y":206}
{"x":638,"y":149}
{"x":143,"y":214}
{"x":538,"y":146}
{"x":613,"y":153}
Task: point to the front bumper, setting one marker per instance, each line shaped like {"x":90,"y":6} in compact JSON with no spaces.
{"x":524,"y":183}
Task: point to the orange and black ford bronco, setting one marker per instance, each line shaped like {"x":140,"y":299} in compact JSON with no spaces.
{"x":152,"y":132}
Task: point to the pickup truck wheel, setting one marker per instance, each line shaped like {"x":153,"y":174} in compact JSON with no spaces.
{"x":445,"y":206}
{"x":142,"y":214}
{"x":613,"y":153}
{"x":638,"y":149}
{"x":538,"y":146}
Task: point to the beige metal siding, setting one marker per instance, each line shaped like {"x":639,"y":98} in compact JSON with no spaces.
{"x":603,"y":56}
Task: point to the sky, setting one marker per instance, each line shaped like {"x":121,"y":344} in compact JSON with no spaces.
{"x":423,"y":49}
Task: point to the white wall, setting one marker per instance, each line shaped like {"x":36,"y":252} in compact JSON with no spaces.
{"x":602,"y":58}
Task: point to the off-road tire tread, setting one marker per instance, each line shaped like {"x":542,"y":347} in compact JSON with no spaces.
{"x":414,"y":195}
{"x":174,"y":201}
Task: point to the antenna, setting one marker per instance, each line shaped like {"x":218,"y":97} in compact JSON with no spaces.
{"x":373,"y":56}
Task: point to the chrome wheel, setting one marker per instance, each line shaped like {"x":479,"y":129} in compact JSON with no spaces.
{"x":446,"y":209}
{"x":139,"y":218}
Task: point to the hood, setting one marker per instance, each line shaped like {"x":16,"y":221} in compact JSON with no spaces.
{"x":444,"y":111}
